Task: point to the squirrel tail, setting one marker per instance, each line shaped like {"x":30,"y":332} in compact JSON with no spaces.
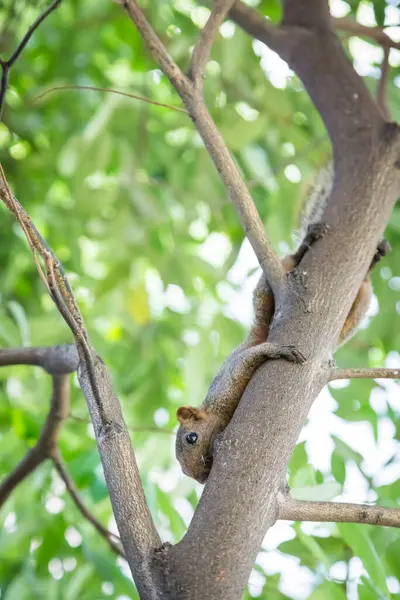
{"x":315,"y":202}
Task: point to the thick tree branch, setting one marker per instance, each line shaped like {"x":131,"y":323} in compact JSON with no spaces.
{"x":7,"y":64}
{"x":374,"y":373}
{"x":215,"y":145}
{"x":338,"y":512}
{"x":56,"y":360}
{"x":314,"y":13}
{"x":202,"y":50}
{"x":307,"y":41}
{"x":47,"y":441}
{"x":132,"y":515}
{"x":112,"y":540}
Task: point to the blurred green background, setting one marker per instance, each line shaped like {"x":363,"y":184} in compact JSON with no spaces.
{"x":126,"y":195}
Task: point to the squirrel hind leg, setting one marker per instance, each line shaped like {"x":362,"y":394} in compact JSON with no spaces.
{"x":357,"y":311}
{"x":382,"y":249}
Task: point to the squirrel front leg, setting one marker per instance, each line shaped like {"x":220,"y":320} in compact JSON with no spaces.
{"x":199,"y":427}
{"x":228,"y":386}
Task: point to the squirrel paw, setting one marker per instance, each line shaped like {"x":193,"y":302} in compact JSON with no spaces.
{"x":316,"y":231}
{"x":382,"y":249}
{"x":292,"y":354}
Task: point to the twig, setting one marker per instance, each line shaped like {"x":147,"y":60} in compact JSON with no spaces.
{"x":56,"y":360}
{"x":376,"y":33}
{"x":138,"y":534}
{"x":338,"y":512}
{"x":168,"y":66}
{"x":7,"y":64}
{"x":134,"y":429}
{"x":381,"y":95}
{"x":202,"y":50}
{"x":374,"y":373}
{"x":108,"y":90}
{"x":47,"y":441}
{"x":112,"y":540}
{"x":226,"y":167}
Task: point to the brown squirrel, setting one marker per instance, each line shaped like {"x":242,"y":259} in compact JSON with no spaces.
{"x":200,"y":426}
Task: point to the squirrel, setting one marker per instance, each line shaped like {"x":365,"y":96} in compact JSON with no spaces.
{"x":200,"y":426}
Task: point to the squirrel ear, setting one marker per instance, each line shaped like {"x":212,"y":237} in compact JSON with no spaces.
{"x":184,"y":413}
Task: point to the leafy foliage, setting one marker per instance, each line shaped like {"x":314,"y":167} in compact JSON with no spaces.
{"x":129,"y":200}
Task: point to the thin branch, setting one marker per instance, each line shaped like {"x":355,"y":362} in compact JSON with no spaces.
{"x":25,"y":467}
{"x":381,"y":95}
{"x":376,"y":33}
{"x":108,"y":90}
{"x":3,"y":85}
{"x":7,"y":64}
{"x":202,"y":50}
{"x":138,"y":534}
{"x":374,"y":373}
{"x":170,"y":69}
{"x":338,"y":512}
{"x":226,"y":166}
{"x":47,"y":441}
{"x":56,"y":360}
{"x":131,"y":428}
{"x":112,"y":540}
{"x":255,"y":24}
{"x":247,"y":211}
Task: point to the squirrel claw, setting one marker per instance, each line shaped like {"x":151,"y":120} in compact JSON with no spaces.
{"x":316,"y":231}
{"x":292,"y":354}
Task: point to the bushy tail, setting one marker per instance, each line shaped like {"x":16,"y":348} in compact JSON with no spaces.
{"x":315,"y":202}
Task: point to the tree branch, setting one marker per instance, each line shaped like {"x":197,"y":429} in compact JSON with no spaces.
{"x":307,"y":41}
{"x":376,"y":33}
{"x":374,"y":373}
{"x":314,"y":13}
{"x":7,"y":64}
{"x":112,"y":540}
{"x":132,"y":515}
{"x":56,"y":360}
{"x":338,"y":512}
{"x":226,"y":167}
{"x":202,"y":50}
{"x":381,"y":96}
{"x":47,"y":441}
{"x":157,"y":49}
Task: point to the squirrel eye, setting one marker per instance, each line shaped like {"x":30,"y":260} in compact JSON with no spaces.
{"x":192,"y":437}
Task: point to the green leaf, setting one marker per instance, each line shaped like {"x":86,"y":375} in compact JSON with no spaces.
{"x":322,"y":492}
{"x":328,"y":591}
{"x":356,"y":536}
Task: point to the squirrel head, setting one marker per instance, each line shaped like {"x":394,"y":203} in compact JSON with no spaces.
{"x":194,"y":439}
